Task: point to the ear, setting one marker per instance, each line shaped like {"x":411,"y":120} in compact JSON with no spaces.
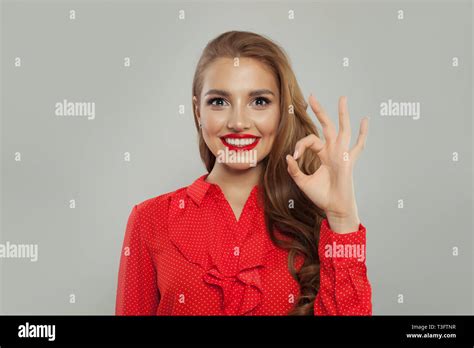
{"x":196,"y":108}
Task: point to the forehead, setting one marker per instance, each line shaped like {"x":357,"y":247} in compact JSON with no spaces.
{"x":250,"y":74}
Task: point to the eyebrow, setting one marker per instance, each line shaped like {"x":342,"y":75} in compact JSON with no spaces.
{"x":224,"y":93}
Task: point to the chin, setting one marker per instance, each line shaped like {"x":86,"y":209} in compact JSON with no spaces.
{"x":239,"y":166}
{"x":237,"y":160}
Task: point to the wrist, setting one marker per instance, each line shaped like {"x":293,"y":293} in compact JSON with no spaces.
{"x":343,"y":224}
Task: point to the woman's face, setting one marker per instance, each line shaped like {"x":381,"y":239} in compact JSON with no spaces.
{"x":239,"y":110}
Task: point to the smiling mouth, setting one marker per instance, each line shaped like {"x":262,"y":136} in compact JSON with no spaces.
{"x":242,"y":142}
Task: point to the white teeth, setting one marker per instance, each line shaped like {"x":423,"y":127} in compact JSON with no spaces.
{"x":240,"y":142}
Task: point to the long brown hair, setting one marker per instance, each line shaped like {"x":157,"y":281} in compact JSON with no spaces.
{"x":287,"y":208}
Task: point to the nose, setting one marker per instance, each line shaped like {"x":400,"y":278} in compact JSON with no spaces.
{"x":238,"y":120}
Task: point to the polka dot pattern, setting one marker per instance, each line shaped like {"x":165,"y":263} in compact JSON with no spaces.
{"x":184,"y":253}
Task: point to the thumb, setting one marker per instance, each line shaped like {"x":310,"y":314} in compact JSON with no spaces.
{"x":294,"y":170}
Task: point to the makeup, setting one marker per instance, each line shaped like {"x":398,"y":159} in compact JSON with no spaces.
{"x":240,"y":142}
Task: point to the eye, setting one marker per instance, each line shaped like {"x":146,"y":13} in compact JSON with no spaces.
{"x":262,"y":101}
{"x":217,"y":100}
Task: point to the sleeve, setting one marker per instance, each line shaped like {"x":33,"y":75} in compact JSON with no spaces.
{"x":344,"y":287}
{"x":137,"y":290}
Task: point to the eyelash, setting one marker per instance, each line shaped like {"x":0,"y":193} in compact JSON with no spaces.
{"x":266,"y":100}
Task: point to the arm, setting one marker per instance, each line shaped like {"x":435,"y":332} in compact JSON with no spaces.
{"x":137,"y":291}
{"x":344,"y":286}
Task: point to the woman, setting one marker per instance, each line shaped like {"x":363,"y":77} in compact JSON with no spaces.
{"x":264,"y":232}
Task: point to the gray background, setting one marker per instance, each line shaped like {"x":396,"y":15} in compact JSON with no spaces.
{"x":409,"y":250}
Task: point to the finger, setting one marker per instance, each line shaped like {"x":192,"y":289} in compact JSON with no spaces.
{"x":361,"y":139}
{"x":294,"y":170}
{"x":344,"y":122}
{"x":310,"y":141}
{"x":329,"y":130}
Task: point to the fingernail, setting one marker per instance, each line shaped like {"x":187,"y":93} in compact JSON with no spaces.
{"x":287,"y":157}
{"x":295,"y":155}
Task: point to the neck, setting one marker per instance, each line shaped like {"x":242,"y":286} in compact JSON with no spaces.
{"x":228,"y":178}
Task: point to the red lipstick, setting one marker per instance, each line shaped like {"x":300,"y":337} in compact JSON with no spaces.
{"x":240,"y":142}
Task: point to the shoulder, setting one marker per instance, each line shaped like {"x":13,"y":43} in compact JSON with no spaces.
{"x":149,"y":219}
{"x":156,"y":211}
{"x":158,"y":207}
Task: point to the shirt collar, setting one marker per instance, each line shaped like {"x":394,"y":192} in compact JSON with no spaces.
{"x":198,"y":189}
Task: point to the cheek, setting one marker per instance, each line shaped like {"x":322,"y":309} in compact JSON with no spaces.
{"x":212,"y":125}
{"x":213,"y":122}
{"x":268,"y":126}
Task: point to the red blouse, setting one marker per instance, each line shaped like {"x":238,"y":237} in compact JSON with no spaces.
{"x":184,"y":253}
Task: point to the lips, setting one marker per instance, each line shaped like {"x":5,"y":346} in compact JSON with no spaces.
{"x":240,"y":142}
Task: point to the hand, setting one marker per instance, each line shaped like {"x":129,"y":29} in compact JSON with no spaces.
{"x":331,"y":186}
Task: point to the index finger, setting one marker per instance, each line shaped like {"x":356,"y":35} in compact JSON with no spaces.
{"x":328,"y":126}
